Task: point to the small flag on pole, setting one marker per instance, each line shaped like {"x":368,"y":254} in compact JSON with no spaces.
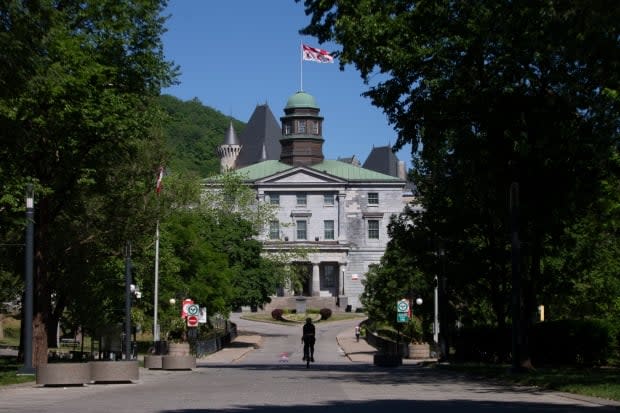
{"x":160,"y":177}
{"x":316,"y":55}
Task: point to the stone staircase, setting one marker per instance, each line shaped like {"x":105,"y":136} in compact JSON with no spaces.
{"x":311,"y":302}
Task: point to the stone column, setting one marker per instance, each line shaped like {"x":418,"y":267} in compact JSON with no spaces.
{"x":316,"y":280}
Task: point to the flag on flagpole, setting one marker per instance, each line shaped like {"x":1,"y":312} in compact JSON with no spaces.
{"x":316,"y":55}
{"x":160,"y":177}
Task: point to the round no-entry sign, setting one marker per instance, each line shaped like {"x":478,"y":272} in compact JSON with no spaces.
{"x":192,"y":321}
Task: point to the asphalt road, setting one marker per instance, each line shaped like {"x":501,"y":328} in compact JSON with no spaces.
{"x":261,"y":381}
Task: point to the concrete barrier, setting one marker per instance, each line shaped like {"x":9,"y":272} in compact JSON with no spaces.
{"x":114,"y":371}
{"x":63,"y":374}
{"x":178,"y":362}
{"x":153,"y":362}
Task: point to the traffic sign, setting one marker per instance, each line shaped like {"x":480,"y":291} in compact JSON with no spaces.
{"x":192,"y":321}
{"x":402,"y":306}
{"x":402,"y":317}
{"x":193,"y":309}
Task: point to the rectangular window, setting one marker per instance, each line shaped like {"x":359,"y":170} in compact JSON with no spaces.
{"x":287,"y":128}
{"x":373,"y":229}
{"x":274,"y":199}
{"x":328,"y":199}
{"x":315,"y":128}
{"x":301,"y":199}
{"x":274,"y":230}
{"x":302,"y":126}
{"x":302,"y":230}
{"x":373,"y":198}
{"x":328,"y":229}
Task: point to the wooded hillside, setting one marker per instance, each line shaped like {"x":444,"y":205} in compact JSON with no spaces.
{"x":192,"y":133}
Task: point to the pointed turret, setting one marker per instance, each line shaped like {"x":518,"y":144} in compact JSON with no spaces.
{"x":229,"y":150}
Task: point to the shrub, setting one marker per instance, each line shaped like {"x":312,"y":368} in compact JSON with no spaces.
{"x":573,"y":342}
{"x":325,"y":313}
{"x":276,"y":314}
{"x":413,"y":330}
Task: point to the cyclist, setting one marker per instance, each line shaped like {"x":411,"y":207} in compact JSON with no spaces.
{"x":308,"y":338}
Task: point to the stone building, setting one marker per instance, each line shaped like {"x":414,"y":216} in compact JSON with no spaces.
{"x":336,"y":209}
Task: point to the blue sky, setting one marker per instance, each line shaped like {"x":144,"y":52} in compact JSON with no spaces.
{"x":235,"y":54}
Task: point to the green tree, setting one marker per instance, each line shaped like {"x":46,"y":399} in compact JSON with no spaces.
{"x":487,"y":102}
{"x":81,"y":118}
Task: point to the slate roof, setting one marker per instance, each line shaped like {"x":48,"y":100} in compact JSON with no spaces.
{"x":383,"y":160}
{"x":261,"y":129}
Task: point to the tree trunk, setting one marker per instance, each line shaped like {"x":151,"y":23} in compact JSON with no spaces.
{"x":42,"y":289}
{"x":1,"y":326}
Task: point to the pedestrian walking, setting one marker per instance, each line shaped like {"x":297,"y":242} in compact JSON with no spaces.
{"x":357,"y":332}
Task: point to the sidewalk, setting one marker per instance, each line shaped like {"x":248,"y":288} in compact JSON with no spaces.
{"x":239,"y":347}
{"x":356,"y":351}
{"x":362,"y":352}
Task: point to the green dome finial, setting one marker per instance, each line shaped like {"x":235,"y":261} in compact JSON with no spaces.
{"x":301,"y":100}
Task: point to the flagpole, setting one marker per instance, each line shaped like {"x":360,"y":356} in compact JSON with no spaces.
{"x":156,"y":336}
{"x":301,"y":67}
{"x":156,"y":292}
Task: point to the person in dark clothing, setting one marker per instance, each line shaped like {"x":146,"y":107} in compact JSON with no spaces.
{"x":308,"y":338}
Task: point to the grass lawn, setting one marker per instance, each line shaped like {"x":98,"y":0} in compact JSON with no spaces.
{"x":8,"y":371}
{"x":601,"y":382}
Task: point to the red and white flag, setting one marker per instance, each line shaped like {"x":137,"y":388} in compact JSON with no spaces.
{"x":160,"y":177}
{"x":316,"y":55}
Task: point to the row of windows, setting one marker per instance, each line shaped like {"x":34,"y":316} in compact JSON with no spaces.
{"x":328,"y":199}
{"x":328,"y":229}
{"x":300,"y":125}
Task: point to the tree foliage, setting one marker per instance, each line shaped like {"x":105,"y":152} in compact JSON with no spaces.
{"x":530,"y":98}
{"x":210,"y":253}
{"x":81,"y":117}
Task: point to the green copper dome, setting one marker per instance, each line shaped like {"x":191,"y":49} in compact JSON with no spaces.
{"x":301,"y":100}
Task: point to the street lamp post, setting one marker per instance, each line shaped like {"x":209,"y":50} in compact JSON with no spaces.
{"x":436,"y":313}
{"x":128,"y":302}
{"x":29,"y":282}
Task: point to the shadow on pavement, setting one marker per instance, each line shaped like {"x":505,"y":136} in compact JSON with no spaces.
{"x":450,"y":406}
{"x":370,"y":374}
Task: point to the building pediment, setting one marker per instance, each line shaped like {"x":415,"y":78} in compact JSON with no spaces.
{"x":299,"y":176}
